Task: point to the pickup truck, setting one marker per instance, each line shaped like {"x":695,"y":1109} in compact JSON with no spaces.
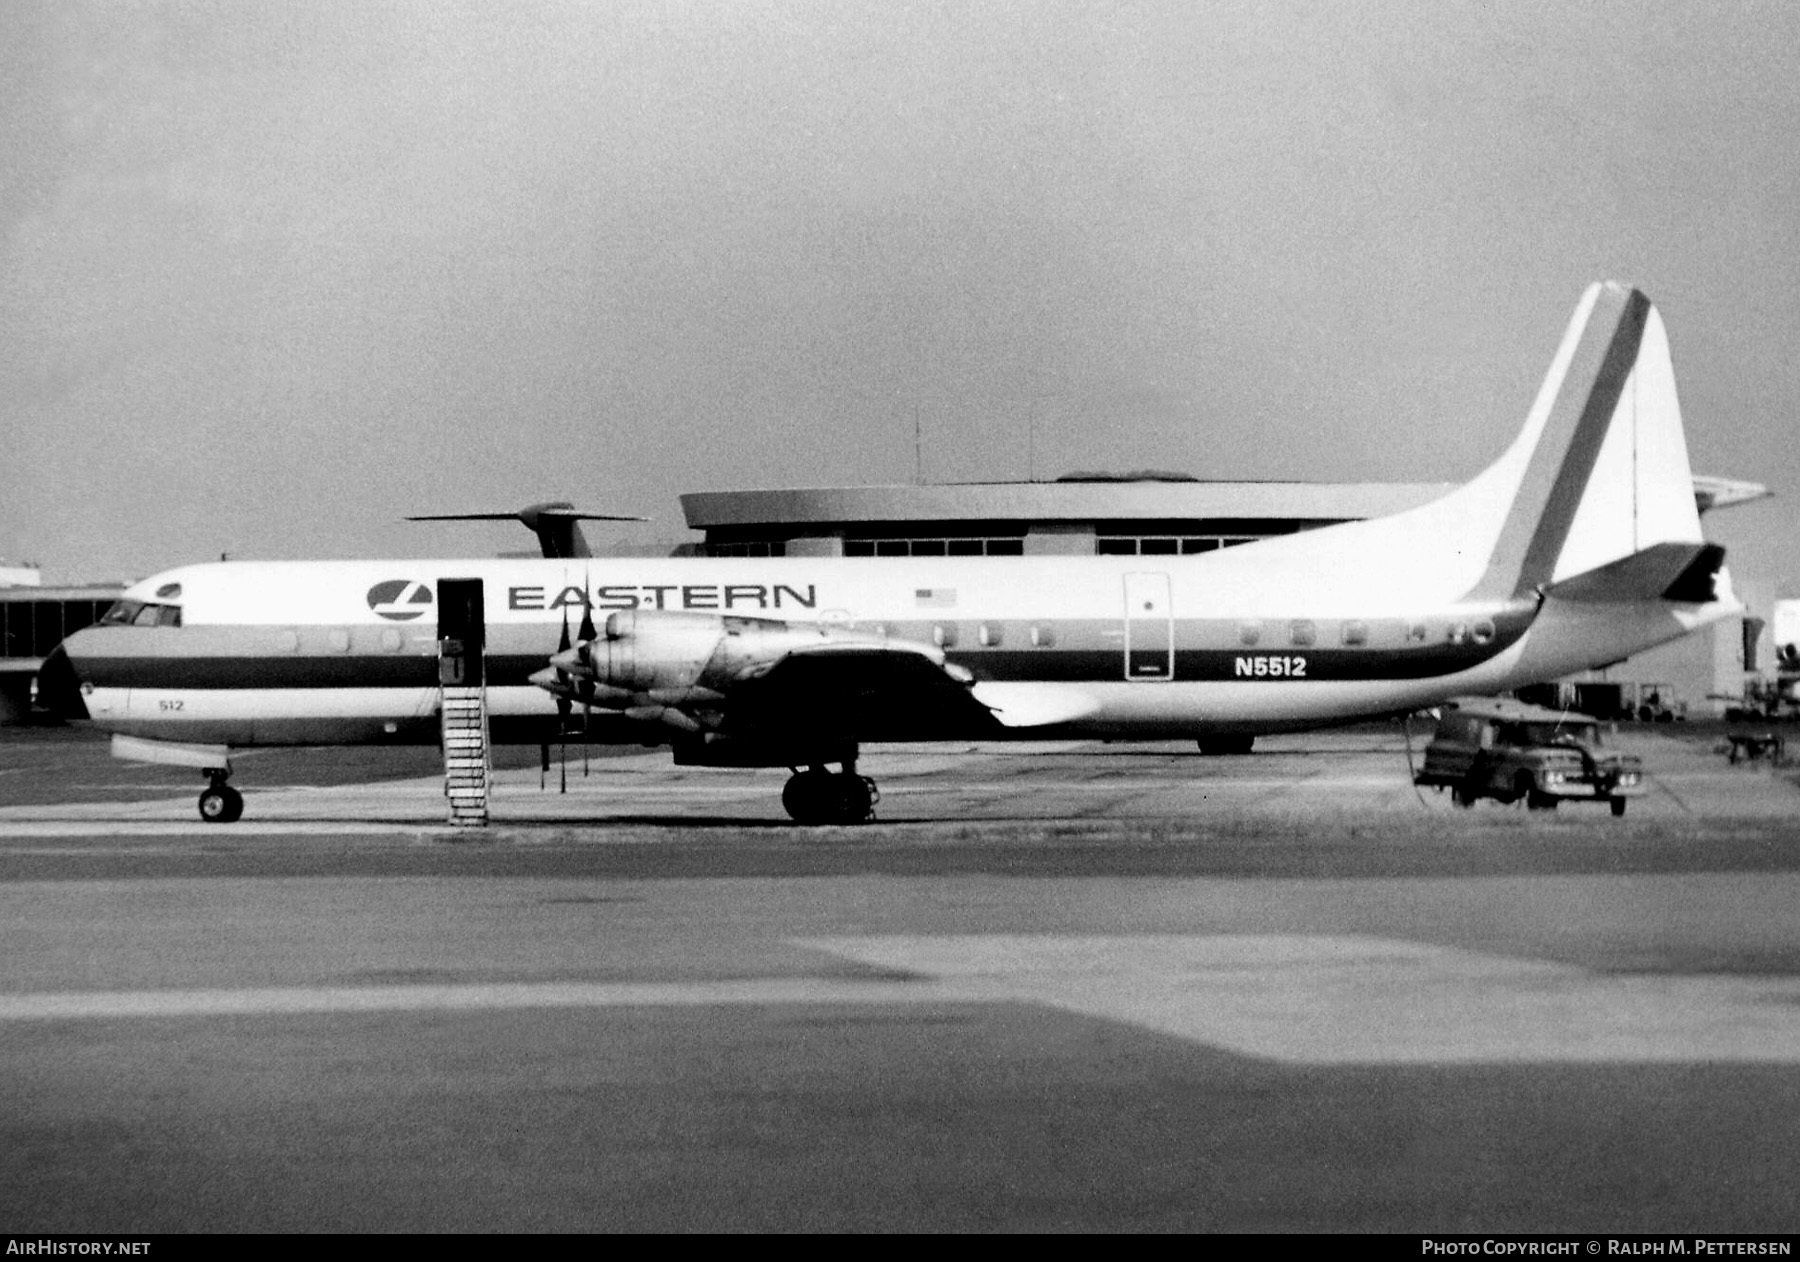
{"x":1513,"y":752}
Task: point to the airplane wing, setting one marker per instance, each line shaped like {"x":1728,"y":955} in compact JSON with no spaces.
{"x":895,"y":691}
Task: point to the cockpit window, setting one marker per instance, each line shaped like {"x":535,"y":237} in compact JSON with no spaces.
{"x":137,"y":613}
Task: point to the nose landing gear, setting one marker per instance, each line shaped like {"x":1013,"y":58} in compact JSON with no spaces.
{"x":219,"y":802}
{"x":818,"y":796}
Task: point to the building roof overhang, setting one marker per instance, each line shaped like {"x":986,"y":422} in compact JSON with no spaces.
{"x":1092,"y":501}
{"x":1054,"y":502}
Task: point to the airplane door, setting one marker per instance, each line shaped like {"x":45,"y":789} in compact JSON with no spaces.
{"x":1149,"y":627}
{"x":462,"y":632}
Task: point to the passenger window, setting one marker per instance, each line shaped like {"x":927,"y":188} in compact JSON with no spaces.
{"x":1302,"y":632}
{"x":1459,"y":633}
{"x":990,"y":634}
{"x":1416,"y":633}
{"x":1043,"y":636}
{"x":944,"y":635}
{"x":1484,"y":632}
{"x":1356,"y":633}
{"x":1249,"y":632}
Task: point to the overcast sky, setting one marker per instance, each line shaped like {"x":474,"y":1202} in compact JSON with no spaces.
{"x":276,"y":275}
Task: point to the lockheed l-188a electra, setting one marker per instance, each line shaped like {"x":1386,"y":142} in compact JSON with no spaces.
{"x":1578,"y":547}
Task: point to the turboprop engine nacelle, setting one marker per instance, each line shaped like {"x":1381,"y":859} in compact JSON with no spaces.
{"x":668,"y":654}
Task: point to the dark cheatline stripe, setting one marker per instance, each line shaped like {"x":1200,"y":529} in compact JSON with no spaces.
{"x":1557,"y":476}
{"x":207,"y":673}
{"x":1032,"y":665}
{"x":1223,"y":665}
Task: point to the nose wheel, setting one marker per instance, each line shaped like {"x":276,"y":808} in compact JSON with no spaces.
{"x":818,"y":796}
{"x":220,"y":803}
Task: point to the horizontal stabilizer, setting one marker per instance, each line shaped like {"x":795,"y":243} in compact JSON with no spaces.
{"x":553,"y":523}
{"x":1665,"y":571}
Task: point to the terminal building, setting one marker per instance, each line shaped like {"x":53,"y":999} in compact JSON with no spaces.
{"x":1147,"y":514}
{"x":33,"y":620}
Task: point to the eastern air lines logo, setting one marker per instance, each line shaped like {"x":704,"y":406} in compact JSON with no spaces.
{"x":399,"y":599}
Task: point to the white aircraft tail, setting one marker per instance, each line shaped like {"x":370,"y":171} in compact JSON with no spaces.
{"x":1602,"y":499}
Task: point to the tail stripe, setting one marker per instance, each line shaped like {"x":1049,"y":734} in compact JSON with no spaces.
{"x":1555,"y":479}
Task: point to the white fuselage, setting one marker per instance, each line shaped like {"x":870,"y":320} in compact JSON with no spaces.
{"x":1262,"y":637}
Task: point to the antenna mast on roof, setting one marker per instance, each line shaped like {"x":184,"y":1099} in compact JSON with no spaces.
{"x":918,"y":451}
{"x":1031,"y":441}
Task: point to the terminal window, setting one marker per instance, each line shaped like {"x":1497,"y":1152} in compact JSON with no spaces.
{"x":32,"y":628}
{"x":755,"y":548}
{"x":934,"y":547}
{"x":1166,"y":545}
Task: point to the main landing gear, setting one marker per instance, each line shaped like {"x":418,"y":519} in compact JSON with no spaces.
{"x":818,"y":796}
{"x":220,"y":803}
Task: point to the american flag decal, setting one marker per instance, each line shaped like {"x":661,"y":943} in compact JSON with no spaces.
{"x":934,"y":597}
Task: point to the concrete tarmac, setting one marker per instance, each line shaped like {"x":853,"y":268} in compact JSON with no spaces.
{"x":1058,"y":987}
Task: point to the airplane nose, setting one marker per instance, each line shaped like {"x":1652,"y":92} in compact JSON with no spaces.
{"x":58,"y":686}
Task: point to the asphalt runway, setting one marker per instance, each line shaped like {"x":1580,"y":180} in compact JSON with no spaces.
{"x":1055,"y":987}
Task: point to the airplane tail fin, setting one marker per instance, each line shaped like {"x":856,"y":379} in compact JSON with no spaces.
{"x":1602,"y":498}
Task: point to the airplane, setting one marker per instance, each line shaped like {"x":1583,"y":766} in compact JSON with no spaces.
{"x":1579,"y":546}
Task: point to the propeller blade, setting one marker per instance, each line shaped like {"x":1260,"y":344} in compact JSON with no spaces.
{"x":564,"y":707}
{"x":587,"y":610}
{"x":587,"y":636}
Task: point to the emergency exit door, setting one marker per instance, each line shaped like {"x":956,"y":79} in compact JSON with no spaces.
{"x":1149,"y":627}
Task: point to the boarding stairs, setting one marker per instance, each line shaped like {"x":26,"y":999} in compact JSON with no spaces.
{"x":468,"y":768}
